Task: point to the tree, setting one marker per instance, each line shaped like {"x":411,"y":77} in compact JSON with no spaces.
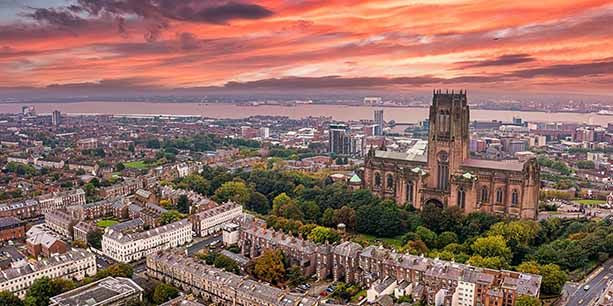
{"x":40,"y":291}
{"x":258,"y":203}
{"x":9,"y":299}
{"x":224,"y":262}
{"x":116,"y":270}
{"x":327,"y":219}
{"x":94,"y":239}
{"x":345,"y":215}
{"x":446,"y":238}
{"x":585,"y":164}
{"x":279,"y":201}
{"x":529,"y":267}
{"x":183,"y":205}
{"x":295,"y":276}
{"x":269,"y":266}
{"x":170,"y":217}
{"x":526,"y":300}
{"x":163,"y":293}
{"x":322,"y":234}
{"x":488,"y":262}
{"x":553,"y":278}
{"x":119,"y":167}
{"x":521,"y":232}
{"x":426,"y":235}
{"x":311,"y":210}
{"x":492,"y":246}
{"x":235,"y":191}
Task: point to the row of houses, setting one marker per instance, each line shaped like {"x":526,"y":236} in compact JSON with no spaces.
{"x":216,"y":285}
{"x":33,"y":208}
{"x":126,"y":242}
{"x":385,"y":270}
{"x":75,"y":264}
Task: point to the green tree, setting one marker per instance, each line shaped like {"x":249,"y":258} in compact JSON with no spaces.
{"x":327,"y":218}
{"x":585,"y":164}
{"x":553,"y":278}
{"x":347,"y":216}
{"x":426,"y":235}
{"x":183,"y":205}
{"x":311,"y":210}
{"x":170,"y":217}
{"x":258,"y":203}
{"x":529,"y":267}
{"x":9,"y":299}
{"x":269,"y":266}
{"x":40,"y":291}
{"x":526,"y":300}
{"x":235,"y":191}
{"x":224,"y":262}
{"x":94,"y":239}
{"x":163,"y":293}
{"x":488,"y":262}
{"x":322,"y":234}
{"x":446,"y":238}
{"x":492,"y":246}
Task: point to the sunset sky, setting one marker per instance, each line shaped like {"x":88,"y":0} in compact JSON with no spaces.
{"x":544,"y":45}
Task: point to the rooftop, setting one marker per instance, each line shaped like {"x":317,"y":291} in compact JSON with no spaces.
{"x":102,"y":292}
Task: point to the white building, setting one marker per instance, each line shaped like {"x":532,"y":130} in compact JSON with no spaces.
{"x":128,"y":246}
{"x":76,"y":264}
{"x":230,"y":234}
{"x":212,"y":220}
{"x":57,"y":200}
{"x":464,"y":294}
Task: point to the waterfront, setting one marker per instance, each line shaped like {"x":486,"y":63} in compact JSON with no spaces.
{"x":337,"y":112}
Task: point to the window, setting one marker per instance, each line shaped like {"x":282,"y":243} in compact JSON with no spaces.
{"x":461,"y":197}
{"x":499,"y":195}
{"x":410,"y":192}
{"x":443,"y":171}
{"x":514,"y":197}
{"x":389,"y":182}
{"x":484,"y":195}
{"x":377,"y":180}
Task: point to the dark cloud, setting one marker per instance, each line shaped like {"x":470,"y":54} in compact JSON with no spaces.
{"x":188,"y":41}
{"x":598,"y":68}
{"x":156,"y":14}
{"x":504,"y":60}
{"x":106,"y":84}
{"x":56,"y":17}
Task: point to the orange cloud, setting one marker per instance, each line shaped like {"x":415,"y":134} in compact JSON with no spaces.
{"x":520,"y":44}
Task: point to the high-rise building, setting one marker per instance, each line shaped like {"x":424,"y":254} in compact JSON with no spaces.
{"x":378,"y":122}
{"x":56,"y":118}
{"x":340,"y":141}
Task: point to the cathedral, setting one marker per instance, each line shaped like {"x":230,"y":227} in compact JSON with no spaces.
{"x":445,"y":175}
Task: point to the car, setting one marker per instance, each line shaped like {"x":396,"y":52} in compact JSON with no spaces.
{"x":586,"y":287}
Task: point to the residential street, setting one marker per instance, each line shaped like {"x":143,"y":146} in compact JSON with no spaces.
{"x":580,"y":296}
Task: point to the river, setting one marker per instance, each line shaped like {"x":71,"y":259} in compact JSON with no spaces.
{"x":337,"y":112}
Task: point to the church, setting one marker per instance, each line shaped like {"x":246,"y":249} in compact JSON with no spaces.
{"x":445,"y":175}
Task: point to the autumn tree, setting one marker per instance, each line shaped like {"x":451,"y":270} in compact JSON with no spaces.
{"x":270,"y":266}
{"x":235,"y":191}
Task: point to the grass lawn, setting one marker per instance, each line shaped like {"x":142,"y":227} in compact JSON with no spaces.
{"x":106,"y":223}
{"x":136,"y":165}
{"x":590,"y":202}
{"x":395,"y":242}
{"x":358,"y":297}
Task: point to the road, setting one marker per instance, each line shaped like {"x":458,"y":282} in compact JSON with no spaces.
{"x":197,"y":246}
{"x":579,"y":296}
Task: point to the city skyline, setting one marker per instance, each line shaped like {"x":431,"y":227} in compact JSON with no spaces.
{"x":227,"y":46}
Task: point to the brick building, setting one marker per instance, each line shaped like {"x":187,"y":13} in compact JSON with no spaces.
{"x":12,"y":228}
{"x":445,"y":175}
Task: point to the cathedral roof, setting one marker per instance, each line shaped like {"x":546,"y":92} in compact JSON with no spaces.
{"x":511,"y":165}
{"x":402,"y":156}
